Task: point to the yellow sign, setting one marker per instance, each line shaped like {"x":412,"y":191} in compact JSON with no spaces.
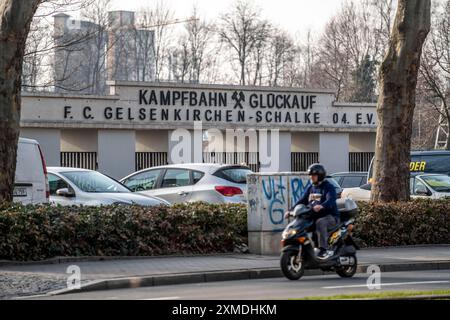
{"x":418,"y":166}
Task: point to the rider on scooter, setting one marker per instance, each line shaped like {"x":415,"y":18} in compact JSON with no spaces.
{"x":321,"y":196}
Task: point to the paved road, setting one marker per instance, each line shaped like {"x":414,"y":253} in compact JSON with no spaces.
{"x":278,"y":288}
{"x":96,"y":270}
{"x":38,"y":278}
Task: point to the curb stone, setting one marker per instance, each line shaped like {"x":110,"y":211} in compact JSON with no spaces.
{"x":231,"y":275}
{"x":61,"y":260}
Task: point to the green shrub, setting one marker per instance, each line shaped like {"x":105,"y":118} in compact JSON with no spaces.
{"x":40,"y":232}
{"x":416,"y":222}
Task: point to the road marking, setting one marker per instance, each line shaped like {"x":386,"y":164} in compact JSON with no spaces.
{"x":162,"y":298}
{"x":30,"y":297}
{"x":388,"y":284}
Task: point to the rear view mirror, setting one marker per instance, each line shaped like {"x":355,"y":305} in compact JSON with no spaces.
{"x":65,"y":192}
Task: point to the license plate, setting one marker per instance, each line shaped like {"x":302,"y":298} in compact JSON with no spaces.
{"x":20,"y":192}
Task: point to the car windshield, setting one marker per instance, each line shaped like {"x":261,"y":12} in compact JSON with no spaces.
{"x":94,"y":182}
{"x":439,"y":183}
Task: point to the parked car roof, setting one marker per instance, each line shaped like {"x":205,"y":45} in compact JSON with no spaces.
{"x":421,"y":174}
{"x":430,"y":152}
{"x":64,"y":169}
{"x":25,"y":140}
{"x":206,"y":167}
{"x":359,"y":173}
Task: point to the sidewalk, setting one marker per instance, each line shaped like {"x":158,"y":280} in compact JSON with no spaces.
{"x":98,"y":275}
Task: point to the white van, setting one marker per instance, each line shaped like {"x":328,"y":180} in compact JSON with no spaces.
{"x":31,"y":183}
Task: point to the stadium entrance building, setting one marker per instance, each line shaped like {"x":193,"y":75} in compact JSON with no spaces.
{"x":133,"y":127}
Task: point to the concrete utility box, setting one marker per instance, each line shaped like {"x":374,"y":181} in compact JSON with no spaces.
{"x":270,"y":195}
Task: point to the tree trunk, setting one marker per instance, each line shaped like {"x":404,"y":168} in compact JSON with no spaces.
{"x":398,"y":80}
{"x":15,"y":19}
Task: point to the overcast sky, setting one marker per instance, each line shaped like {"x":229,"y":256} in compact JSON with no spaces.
{"x":292,"y":15}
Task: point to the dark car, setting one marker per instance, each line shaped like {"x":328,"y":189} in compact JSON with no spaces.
{"x":350,"y":179}
{"x":435,"y":162}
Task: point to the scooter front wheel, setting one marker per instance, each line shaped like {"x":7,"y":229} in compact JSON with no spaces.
{"x":292,"y":265}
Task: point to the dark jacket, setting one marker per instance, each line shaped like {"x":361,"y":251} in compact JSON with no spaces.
{"x":327,"y":199}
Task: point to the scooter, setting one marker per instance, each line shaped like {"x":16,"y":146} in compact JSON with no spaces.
{"x":299,"y":251}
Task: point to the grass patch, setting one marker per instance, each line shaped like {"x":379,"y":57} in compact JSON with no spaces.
{"x":381,"y":295}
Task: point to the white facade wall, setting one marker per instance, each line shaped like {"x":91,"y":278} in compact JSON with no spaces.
{"x":76,"y":140}
{"x":151,"y":141}
{"x":116,"y":152}
{"x":333,"y":151}
{"x":305,"y":142}
{"x":278,"y":154}
{"x":362,"y":142}
{"x":184,"y":146}
{"x":124,"y":122}
{"x":49,"y":140}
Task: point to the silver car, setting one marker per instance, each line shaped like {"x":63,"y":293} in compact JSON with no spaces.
{"x":211,"y":183}
{"x":70,"y":186}
{"x":429,"y":186}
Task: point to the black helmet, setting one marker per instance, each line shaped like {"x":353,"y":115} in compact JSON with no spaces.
{"x":319,"y":170}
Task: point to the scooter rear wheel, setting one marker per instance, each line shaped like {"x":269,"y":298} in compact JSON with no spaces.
{"x":292,"y":265}
{"x":348,"y":271}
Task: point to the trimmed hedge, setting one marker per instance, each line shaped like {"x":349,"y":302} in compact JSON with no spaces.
{"x":420,"y":221}
{"x":40,"y":232}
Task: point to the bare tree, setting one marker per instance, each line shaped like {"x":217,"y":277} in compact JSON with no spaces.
{"x":435,"y":68}
{"x":200,"y":34}
{"x":145,"y":65}
{"x":242,"y":30}
{"x":215,"y":60}
{"x":281,"y":53}
{"x":384,"y":10}
{"x":79,"y":53}
{"x":333,"y":64}
{"x":36,"y":66}
{"x":97,"y":14}
{"x":158,"y":18}
{"x":15,"y":21}
{"x":40,"y":47}
{"x":254,"y":69}
{"x":181,"y":61}
{"x":49,"y":8}
{"x":307,"y":58}
{"x":425,"y":122}
{"x":398,"y":80}
{"x":122,"y":54}
{"x":351,"y":47}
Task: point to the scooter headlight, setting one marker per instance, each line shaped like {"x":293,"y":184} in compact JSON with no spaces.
{"x":289,"y":233}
